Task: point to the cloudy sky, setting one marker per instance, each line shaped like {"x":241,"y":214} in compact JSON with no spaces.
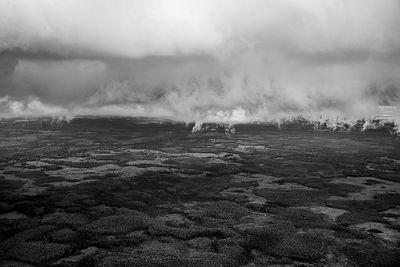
{"x":228,"y":60}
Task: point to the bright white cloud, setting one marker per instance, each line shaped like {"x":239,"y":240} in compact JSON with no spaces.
{"x":134,"y":28}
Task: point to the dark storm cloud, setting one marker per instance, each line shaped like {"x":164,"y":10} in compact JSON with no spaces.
{"x":7,"y":64}
{"x":198,"y":59}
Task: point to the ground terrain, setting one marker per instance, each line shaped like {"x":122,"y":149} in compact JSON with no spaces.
{"x":125,"y":192}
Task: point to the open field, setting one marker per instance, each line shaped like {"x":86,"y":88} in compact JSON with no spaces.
{"x":125,"y":192}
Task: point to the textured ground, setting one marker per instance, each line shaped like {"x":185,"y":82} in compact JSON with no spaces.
{"x":120,"y":192}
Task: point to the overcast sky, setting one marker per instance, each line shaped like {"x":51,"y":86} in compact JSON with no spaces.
{"x":193,"y":60}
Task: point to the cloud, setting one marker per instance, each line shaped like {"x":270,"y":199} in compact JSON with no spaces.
{"x":132,"y":29}
{"x":7,"y":66}
{"x":193,"y":60}
{"x":105,"y":28}
{"x":58,"y":82}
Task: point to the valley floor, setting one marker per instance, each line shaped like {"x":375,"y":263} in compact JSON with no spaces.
{"x":107,"y":192}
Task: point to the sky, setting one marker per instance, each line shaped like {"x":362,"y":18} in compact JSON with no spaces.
{"x":190,"y":60}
